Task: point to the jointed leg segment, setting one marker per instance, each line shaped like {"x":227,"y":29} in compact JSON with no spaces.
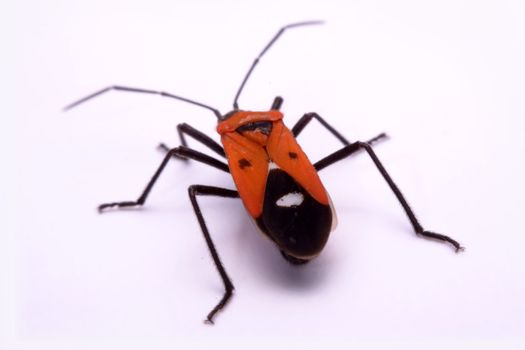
{"x":202,"y":190}
{"x":351,"y":148}
{"x":307,"y":118}
{"x":356,"y":146}
{"x":193,"y":191}
{"x":182,"y":152}
{"x":185,"y":129}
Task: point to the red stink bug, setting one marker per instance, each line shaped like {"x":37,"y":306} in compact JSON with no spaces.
{"x":275,"y":180}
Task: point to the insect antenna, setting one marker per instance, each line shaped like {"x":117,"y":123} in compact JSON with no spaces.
{"x":266,"y":48}
{"x":144,"y":91}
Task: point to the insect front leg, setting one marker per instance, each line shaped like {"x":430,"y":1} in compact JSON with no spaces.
{"x":202,"y":190}
{"x":277,"y":103}
{"x":182,"y":152}
{"x":185,"y":129}
{"x":356,"y":146}
{"x":307,"y":118}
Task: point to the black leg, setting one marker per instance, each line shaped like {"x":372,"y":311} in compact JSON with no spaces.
{"x":277,"y":103}
{"x":201,"y":190}
{"x":142,"y":91}
{"x":352,"y":148}
{"x":182,"y":152}
{"x":307,"y":118}
{"x":183,"y":129}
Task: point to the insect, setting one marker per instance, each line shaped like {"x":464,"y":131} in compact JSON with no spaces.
{"x":278,"y":185}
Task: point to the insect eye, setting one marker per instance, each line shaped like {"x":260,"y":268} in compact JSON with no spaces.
{"x":264,"y":127}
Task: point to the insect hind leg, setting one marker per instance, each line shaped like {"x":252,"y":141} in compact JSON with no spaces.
{"x":418,"y":228}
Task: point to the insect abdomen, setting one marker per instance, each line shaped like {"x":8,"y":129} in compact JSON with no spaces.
{"x":293,"y":219}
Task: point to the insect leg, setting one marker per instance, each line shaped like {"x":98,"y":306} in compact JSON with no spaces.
{"x":277,"y":103}
{"x":183,"y":129}
{"x":202,"y":190}
{"x":182,"y":152}
{"x":348,"y":150}
{"x":307,"y":118}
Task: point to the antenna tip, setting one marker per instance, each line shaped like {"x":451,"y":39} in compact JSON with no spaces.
{"x":67,"y":108}
{"x":305,"y":23}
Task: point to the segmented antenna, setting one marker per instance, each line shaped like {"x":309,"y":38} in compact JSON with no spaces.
{"x":180,"y":98}
{"x":266,"y":48}
{"x":144,"y":91}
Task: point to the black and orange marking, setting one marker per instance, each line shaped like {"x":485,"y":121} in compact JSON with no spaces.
{"x":275,"y":180}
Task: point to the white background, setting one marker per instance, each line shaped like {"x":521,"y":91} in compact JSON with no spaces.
{"x":445,"y":79}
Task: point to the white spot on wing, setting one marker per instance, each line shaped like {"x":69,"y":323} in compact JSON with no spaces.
{"x":272,"y":165}
{"x":292,"y":199}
